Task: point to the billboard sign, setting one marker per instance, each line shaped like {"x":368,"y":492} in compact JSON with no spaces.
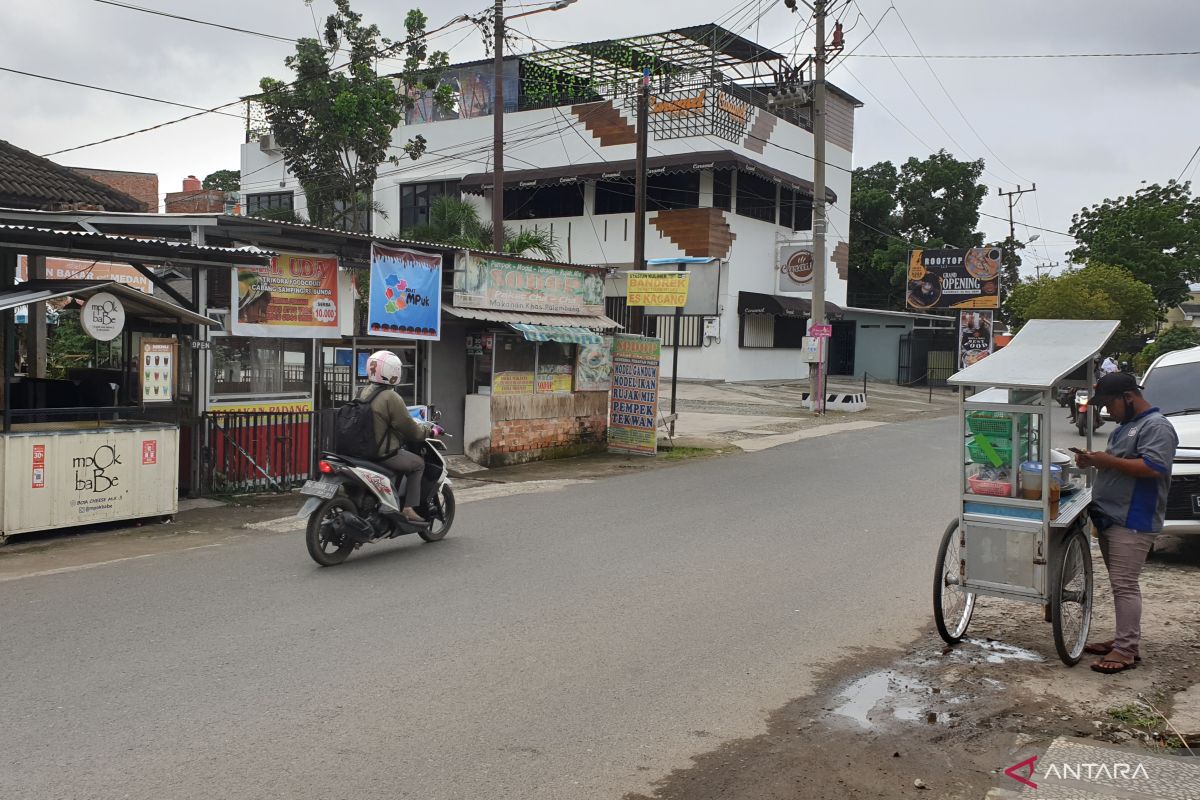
{"x":954,"y":278}
{"x":296,"y":297}
{"x":974,"y":337}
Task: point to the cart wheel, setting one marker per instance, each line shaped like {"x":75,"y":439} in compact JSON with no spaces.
{"x":952,"y":605}
{"x":1071,"y":596}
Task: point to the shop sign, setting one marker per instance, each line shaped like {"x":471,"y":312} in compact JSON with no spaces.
{"x":633,"y":399}
{"x":39,"y":466}
{"x":954,"y":278}
{"x":149,"y":452}
{"x":103,"y":317}
{"x":158,"y":368}
{"x":500,"y":285}
{"x":796,"y":267}
{"x":593,"y":366}
{"x":79,"y":269}
{"x":267,"y":407}
{"x":552,"y":382}
{"x":974,"y":337}
{"x":296,"y":297}
{"x":820,"y":331}
{"x":479,"y":344}
{"x":507,"y":383}
{"x":406,"y":294}
{"x":658,"y":289}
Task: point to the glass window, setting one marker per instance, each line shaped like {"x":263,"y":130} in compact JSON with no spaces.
{"x":681,"y":190}
{"x":722,"y":188}
{"x":255,"y":367}
{"x":516,"y":365}
{"x":543,"y":202}
{"x":1173,"y":388}
{"x":417,"y":198}
{"x":614,"y":197}
{"x":755,"y":197}
{"x":555,"y":367}
{"x":267,"y":201}
{"x":795,"y":210}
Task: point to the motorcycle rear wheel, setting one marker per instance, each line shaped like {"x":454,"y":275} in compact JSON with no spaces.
{"x":440,"y":527}
{"x":324,"y":550}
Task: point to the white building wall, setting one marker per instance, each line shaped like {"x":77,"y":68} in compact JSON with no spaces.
{"x":263,"y":172}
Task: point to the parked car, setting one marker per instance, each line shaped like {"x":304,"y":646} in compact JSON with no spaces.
{"x":1173,"y":384}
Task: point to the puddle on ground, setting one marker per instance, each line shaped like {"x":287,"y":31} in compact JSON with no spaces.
{"x":998,"y":652}
{"x":874,"y":698}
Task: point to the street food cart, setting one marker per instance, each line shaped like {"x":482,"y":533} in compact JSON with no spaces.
{"x":1021,"y":531}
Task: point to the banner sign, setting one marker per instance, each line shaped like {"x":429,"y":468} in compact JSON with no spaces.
{"x":795,"y":263}
{"x":296,"y":297}
{"x":658,"y":289}
{"x":103,"y":317}
{"x":158,"y":364}
{"x":406,"y":294}
{"x":954,"y":278}
{"x":593,"y":366}
{"x":83,"y":269}
{"x":974,"y":337}
{"x":633,"y":399}
{"x":506,"y":383}
{"x":501,"y":285}
{"x":298,"y":406}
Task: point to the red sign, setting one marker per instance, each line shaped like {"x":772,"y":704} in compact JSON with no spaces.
{"x":39,"y":466}
{"x":821,"y":331}
{"x":149,"y":451}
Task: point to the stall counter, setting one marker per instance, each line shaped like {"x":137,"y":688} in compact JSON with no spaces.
{"x":59,"y":474}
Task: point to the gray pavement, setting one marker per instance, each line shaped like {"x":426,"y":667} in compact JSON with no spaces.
{"x":569,"y":644}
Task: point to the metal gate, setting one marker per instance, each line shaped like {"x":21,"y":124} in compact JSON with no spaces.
{"x":247,"y":452}
{"x":927,"y":357}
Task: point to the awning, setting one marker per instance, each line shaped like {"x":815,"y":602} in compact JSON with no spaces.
{"x":625,"y":170}
{"x":779,"y":305}
{"x":587,"y":321}
{"x":138,"y":304}
{"x":557,"y":333}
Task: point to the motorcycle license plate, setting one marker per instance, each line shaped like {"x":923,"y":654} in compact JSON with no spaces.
{"x":319,"y":489}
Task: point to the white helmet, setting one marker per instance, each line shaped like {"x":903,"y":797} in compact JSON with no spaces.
{"x":384,"y":367}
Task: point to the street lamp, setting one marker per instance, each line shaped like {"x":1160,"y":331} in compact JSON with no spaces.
{"x":498,"y":117}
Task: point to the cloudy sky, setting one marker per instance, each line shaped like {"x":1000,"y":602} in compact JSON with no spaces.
{"x":1081,"y":128}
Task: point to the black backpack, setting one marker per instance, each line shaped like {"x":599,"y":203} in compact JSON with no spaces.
{"x":354,"y":428}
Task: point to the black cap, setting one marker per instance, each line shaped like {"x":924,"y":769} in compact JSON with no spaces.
{"x":1115,"y":383}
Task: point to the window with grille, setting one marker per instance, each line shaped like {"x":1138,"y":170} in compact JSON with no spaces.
{"x":417,"y":198}
{"x":269,"y":201}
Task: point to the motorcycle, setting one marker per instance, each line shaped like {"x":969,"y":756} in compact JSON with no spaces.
{"x":1083,"y":410}
{"x":356,"y":502}
{"x":1065,"y":396}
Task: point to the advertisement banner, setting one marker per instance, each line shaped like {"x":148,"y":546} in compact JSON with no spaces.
{"x":633,"y":399}
{"x":501,"y":285}
{"x":954,"y":278}
{"x":658,"y":289}
{"x":406,"y":294}
{"x":296,"y":297}
{"x":593,"y":366}
{"x":795,"y":264}
{"x":269,"y":407}
{"x":83,"y":269}
{"x":506,"y":383}
{"x":158,"y":370}
{"x":974,"y":337}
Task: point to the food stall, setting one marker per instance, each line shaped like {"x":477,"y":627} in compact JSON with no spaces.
{"x":1021,"y":531}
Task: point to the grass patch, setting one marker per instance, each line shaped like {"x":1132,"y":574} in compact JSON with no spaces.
{"x":1135,"y":715}
{"x":680,"y":453}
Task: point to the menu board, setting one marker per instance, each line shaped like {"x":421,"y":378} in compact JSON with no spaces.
{"x":159,"y":366}
{"x":633,"y":400}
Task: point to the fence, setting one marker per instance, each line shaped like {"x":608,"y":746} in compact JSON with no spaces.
{"x":261,"y":452}
{"x":927,"y":357}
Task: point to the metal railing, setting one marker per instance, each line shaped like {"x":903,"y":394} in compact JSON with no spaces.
{"x":247,"y":452}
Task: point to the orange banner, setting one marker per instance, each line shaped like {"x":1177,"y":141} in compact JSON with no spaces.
{"x":296,"y":298}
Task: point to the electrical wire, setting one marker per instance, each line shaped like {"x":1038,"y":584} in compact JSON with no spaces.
{"x":983,"y":56}
{"x":1195,"y":153}
{"x":113,"y":91}
{"x":156,"y":12}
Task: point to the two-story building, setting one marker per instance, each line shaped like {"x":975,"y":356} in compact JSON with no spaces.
{"x":730,"y":168}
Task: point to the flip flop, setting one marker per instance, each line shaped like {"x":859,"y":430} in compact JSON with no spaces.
{"x":1103,"y":649}
{"x":1119,"y":666}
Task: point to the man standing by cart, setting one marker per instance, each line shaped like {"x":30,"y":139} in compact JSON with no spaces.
{"x":1129,"y":499}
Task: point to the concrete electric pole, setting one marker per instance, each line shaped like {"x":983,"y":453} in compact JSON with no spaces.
{"x":816,"y":372}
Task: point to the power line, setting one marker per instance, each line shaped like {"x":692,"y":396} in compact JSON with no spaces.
{"x":1195,"y":153}
{"x":156,"y":12}
{"x":114,"y":91}
{"x":982,"y":56}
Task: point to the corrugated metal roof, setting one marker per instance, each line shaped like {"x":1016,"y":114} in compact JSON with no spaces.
{"x":26,"y":178}
{"x":54,"y":238}
{"x":138,"y":304}
{"x":600,"y":323}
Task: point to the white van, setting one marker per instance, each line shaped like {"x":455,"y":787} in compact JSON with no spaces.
{"x":1173,"y":384}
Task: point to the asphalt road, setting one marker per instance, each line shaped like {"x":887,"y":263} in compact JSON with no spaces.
{"x":572,"y":644}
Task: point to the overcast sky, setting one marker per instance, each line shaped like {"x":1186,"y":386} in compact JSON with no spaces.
{"x":1083,"y":129}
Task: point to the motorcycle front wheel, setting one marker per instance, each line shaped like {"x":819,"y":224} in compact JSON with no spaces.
{"x":440,"y":527}
{"x":325,"y":547}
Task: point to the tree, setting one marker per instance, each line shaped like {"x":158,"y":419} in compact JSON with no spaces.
{"x":456,"y":222}
{"x":1154,"y":233}
{"x":334,"y":122}
{"x":928,"y":203}
{"x":225,"y":180}
{"x":1170,"y":339}
{"x":1097,"y":291}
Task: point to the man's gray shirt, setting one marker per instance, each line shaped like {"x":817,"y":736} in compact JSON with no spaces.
{"x":1138,"y":503}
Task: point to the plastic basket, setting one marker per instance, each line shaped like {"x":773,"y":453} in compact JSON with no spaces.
{"x":1003,"y":448}
{"x":994,"y":425}
{"x":994,"y":488}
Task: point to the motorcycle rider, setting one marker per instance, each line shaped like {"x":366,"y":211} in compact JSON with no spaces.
{"x":394,"y":427}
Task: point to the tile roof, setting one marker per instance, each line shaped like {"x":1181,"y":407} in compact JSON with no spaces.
{"x":30,"y":181}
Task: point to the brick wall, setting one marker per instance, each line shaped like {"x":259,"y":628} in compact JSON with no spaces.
{"x":205,"y":201}
{"x":141,"y":186}
{"x":535,"y":427}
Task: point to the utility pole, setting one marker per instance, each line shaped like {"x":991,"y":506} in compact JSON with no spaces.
{"x":637,"y":313}
{"x":816,"y":372}
{"x":1012,"y":198}
{"x":498,"y":131}
{"x":1049,"y":265}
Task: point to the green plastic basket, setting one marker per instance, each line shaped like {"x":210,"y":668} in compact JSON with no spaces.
{"x":994,"y":424}
{"x":1002,"y":448}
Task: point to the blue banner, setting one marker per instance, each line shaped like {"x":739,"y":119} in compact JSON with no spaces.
{"x":406,"y":294}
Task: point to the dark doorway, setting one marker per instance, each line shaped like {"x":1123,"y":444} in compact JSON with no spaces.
{"x":927,"y":357}
{"x":841,"y":347}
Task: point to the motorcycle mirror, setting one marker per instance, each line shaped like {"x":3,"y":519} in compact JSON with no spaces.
{"x":437,"y":415}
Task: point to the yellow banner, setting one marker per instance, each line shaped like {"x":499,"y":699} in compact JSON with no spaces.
{"x":658,"y":289}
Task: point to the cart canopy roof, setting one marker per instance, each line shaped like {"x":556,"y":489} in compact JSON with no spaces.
{"x":1039,"y":357}
{"x":145,"y":306}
